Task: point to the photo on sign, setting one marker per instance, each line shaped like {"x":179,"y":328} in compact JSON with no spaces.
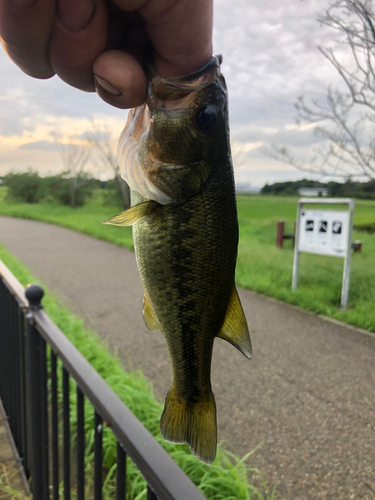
{"x":322,"y":226}
{"x":336,"y":227}
{"x":309,"y":225}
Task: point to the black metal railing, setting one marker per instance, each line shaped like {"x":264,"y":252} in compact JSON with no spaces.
{"x":37,"y":366}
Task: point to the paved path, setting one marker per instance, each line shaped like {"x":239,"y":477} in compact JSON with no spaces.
{"x":308,"y":394}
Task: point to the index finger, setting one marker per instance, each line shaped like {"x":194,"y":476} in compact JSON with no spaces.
{"x":25,"y":27}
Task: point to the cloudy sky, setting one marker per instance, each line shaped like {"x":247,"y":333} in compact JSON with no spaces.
{"x":270,"y":57}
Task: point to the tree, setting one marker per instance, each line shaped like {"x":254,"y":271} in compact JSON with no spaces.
{"x":75,"y":158}
{"x":347,"y":117}
{"x":104,"y":145}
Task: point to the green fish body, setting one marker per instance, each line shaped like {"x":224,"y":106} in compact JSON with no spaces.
{"x":185,"y":234}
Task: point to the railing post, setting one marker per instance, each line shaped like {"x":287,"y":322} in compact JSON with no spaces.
{"x":37,"y":400}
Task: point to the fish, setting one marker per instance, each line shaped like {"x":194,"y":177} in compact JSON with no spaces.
{"x":175,"y":155}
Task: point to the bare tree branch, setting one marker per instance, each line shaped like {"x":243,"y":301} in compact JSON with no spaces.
{"x":75,"y":158}
{"x":349,"y":136}
{"x":104,"y":146}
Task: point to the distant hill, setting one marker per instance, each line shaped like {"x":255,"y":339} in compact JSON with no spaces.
{"x":348,"y":189}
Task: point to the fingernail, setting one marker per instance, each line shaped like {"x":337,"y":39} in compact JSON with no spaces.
{"x":75,"y":16}
{"x":107,"y":86}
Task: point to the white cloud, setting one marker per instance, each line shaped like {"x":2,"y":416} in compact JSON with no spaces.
{"x":38,"y":146}
{"x":302,"y":126}
{"x":244,"y":147}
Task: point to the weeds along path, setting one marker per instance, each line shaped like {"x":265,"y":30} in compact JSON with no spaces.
{"x":307,"y":395}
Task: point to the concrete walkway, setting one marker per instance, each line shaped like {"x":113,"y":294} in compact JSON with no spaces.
{"x":308,"y":394}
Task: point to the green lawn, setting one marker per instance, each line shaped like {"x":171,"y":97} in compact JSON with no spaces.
{"x":261,"y":266}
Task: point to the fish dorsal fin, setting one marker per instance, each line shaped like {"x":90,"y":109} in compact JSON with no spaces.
{"x":150,"y":320}
{"x":235,"y":329}
{"x":133,"y":214}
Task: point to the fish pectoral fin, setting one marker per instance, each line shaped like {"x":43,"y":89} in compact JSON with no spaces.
{"x":150,"y":320}
{"x":133,"y":214}
{"x":235,"y":329}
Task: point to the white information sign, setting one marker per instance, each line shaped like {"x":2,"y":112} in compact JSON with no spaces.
{"x":323,"y":232}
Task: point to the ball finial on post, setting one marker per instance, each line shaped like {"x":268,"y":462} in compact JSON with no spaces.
{"x":34,"y":294}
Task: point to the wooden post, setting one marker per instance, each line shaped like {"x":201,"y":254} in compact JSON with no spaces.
{"x":280,"y":233}
{"x":357,"y":246}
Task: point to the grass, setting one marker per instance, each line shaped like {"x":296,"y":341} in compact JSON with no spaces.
{"x":87,"y":219}
{"x":7,"y":490}
{"x":226,"y":479}
{"x":261,"y":266}
{"x":266,"y":269}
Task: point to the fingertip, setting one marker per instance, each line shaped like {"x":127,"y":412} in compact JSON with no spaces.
{"x":120,"y":79}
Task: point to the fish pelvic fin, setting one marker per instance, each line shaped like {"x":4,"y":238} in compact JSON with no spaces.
{"x":150,"y":320}
{"x":133,"y":214}
{"x":235,"y":329}
{"x":191,"y":423}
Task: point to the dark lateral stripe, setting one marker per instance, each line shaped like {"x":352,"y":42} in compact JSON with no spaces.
{"x":180,"y":255}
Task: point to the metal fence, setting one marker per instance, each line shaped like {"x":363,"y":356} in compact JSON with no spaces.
{"x":37,"y":363}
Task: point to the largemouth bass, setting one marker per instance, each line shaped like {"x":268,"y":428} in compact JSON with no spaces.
{"x":175,"y":154}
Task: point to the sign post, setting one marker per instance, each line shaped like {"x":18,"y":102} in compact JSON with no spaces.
{"x":325,"y":232}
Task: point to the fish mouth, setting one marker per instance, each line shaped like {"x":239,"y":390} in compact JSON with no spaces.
{"x":174,"y":166}
{"x":161,"y":164}
{"x":179,"y":93}
{"x":214,"y":62}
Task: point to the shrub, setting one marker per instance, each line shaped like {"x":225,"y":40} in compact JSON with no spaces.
{"x":24,"y":187}
{"x":69,"y":190}
{"x":116,"y":193}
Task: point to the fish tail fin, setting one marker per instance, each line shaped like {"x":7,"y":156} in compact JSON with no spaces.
{"x":191,"y":423}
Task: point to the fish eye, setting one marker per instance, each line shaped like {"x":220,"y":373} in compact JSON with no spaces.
{"x":206,"y":117}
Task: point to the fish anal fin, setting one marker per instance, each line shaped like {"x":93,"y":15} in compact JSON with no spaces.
{"x":133,"y":214}
{"x":150,"y":320}
{"x":235,"y":329}
{"x":193,"y":424}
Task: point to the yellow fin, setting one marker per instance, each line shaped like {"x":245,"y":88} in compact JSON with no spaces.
{"x":194,"y":424}
{"x":133,"y":214}
{"x":150,"y":320}
{"x":235,"y":329}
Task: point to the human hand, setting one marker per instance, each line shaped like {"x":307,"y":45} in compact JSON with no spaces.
{"x":77,"y":39}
